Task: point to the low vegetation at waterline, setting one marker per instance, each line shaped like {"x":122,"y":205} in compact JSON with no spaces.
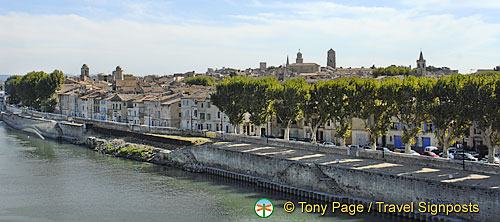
{"x":118,"y":148}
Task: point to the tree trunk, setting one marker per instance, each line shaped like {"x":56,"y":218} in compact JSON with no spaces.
{"x":486,"y":134}
{"x":314,"y":130}
{"x":374,"y":142}
{"x":408,"y":147}
{"x":342,"y":141}
{"x":446,"y":153}
{"x":491,"y":154}
{"x":286,"y":137}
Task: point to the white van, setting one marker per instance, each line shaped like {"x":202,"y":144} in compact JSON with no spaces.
{"x":430,"y":149}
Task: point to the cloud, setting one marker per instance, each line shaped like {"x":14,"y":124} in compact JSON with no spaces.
{"x":145,"y":41}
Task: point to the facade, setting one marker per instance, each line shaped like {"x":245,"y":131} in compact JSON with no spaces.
{"x":197,"y":113}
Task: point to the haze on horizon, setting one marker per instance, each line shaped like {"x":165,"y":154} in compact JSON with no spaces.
{"x":165,"y":37}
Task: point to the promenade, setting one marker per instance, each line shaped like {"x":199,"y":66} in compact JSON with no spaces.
{"x":443,"y":175}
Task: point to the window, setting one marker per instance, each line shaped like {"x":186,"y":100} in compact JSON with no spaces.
{"x":218,"y":115}
{"x":208,"y":104}
{"x":208,"y":116}
{"x":202,"y":116}
{"x":135,"y":113}
{"x":196,"y":113}
{"x":201,"y":105}
{"x":196,"y":102}
{"x":179,"y":114}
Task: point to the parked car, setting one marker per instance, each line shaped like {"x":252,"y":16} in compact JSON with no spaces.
{"x":495,"y":160}
{"x":450,"y":155}
{"x":413,"y":152}
{"x":329,"y":143}
{"x":402,"y":150}
{"x":429,"y":153}
{"x":385,"y":149}
{"x":430,"y":149}
{"x":452,"y":149}
{"x":367,"y":147}
{"x":466,"y":156}
{"x":474,"y":154}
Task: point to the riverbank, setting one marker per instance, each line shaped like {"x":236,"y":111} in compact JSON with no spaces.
{"x":314,"y":175}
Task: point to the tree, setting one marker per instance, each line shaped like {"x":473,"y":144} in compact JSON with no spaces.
{"x":486,"y":111}
{"x":201,"y":80}
{"x":372,"y":105}
{"x":35,"y":89}
{"x":336,"y":95}
{"x":258,"y":98}
{"x":391,"y":71}
{"x":410,"y":98}
{"x":447,"y":110}
{"x":229,"y":99}
{"x":12,"y":89}
{"x":287,"y":103}
{"x":315,"y":109}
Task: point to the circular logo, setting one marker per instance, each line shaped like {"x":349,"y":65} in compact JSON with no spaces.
{"x":264,"y":208}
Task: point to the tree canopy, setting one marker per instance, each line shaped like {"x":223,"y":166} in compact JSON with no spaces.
{"x":35,"y":89}
{"x":201,"y":80}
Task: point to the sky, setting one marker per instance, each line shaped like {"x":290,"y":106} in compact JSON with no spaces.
{"x":166,"y":37}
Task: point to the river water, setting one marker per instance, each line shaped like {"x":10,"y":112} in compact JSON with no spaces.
{"x":45,"y":180}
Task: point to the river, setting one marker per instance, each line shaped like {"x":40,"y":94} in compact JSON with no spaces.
{"x":45,"y":180}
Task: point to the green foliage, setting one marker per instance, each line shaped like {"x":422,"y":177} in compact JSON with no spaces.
{"x":450,"y":103}
{"x":288,"y":100}
{"x":337,"y":95}
{"x":201,"y":80}
{"x":12,"y":89}
{"x":392,"y":71}
{"x":258,"y":98}
{"x":229,"y":98}
{"x":35,"y":89}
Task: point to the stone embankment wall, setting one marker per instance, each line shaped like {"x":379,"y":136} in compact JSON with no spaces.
{"x":362,"y":153}
{"x":45,"y":127}
{"x":312,"y":181}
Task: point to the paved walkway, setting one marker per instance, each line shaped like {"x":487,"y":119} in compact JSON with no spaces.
{"x":445,"y":175}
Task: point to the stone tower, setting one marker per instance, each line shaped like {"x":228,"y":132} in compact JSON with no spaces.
{"x":84,"y":75}
{"x":299,"y":58}
{"x":421,"y":68}
{"x":330,"y":59}
{"x":118,"y":73}
{"x":287,"y":61}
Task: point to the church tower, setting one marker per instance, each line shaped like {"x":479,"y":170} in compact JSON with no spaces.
{"x":330,"y":60}
{"x":299,"y":58}
{"x":421,"y":68}
{"x":287,"y":61}
{"x":118,"y":73}
{"x":84,"y":75}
